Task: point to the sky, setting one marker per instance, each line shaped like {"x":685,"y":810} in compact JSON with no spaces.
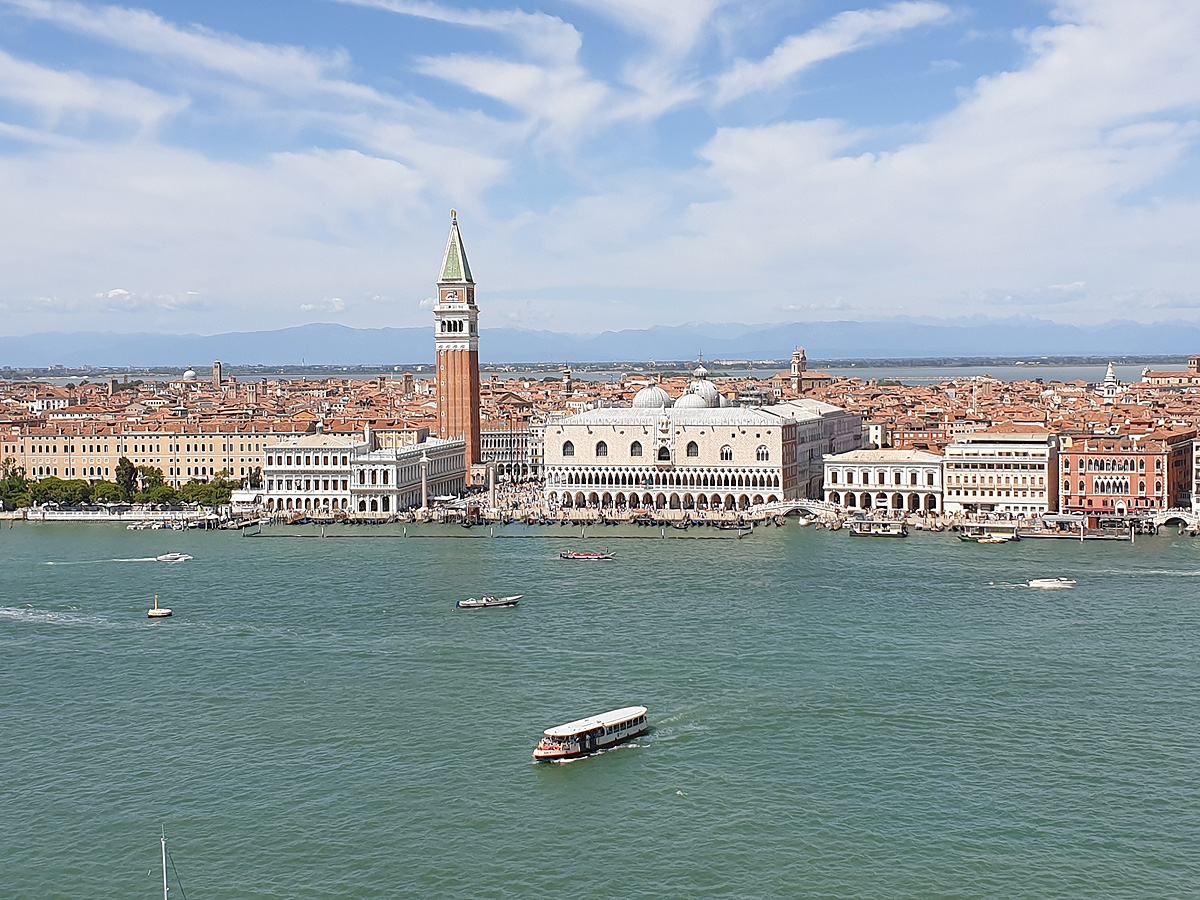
{"x":204,"y":166}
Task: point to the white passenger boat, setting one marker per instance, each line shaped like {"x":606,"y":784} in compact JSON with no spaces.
{"x":487,"y":601}
{"x":159,"y":612}
{"x":173,"y":557}
{"x":594,"y":733}
{"x":870,"y":528}
{"x":1052,"y":584}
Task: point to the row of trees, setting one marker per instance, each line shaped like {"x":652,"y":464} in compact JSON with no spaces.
{"x":137,"y":484}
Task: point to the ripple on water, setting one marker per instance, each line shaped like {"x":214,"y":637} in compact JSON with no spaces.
{"x":829,"y":717}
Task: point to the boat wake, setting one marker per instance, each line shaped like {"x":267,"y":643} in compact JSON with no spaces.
{"x":30,"y":616}
{"x":92,"y":562}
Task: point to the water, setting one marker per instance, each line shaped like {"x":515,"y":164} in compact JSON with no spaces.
{"x":831,"y":716}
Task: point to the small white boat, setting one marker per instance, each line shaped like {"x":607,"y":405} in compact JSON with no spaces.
{"x":1052,"y":584}
{"x":173,"y":557}
{"x":159,"y":612}
{"x":487,"y":601}
{"x":594,"y":733}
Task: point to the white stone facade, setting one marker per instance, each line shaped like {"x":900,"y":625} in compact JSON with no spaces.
{"x":906,"y":480}
{"x":1002,"y":470}
{"x":309,"y":473}
{"x":676,"y":458}
{"x":383,"y":482}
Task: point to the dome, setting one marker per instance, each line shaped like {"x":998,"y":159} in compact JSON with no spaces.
{"x":691,"y":401}
{"x":652,"y":397}
{"x":706,"y":391}
{"x":700,"y":371}
{"x":189,"y":375}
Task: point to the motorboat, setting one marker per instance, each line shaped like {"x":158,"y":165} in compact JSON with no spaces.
{"x":579,"y":554}
{"x":173,"y":557}
{"x":592,"y":734}
{"x":871,"y":528}
{"x":487,"y":601}
{"x":1052,"y":584}
{"x":993,"y":539}
{"x":159,"y":612}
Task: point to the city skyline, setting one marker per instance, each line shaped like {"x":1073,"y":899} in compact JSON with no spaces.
{"x":214,"y":167}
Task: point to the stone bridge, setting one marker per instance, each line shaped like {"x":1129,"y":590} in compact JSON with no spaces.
{"x":811,"y":507}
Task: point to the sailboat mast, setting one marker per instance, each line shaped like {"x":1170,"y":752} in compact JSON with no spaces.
{"x":164,"y":862}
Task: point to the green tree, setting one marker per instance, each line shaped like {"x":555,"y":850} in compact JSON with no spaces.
{"x":107,"y":492}
{"x":150,"y":477}
{"x":14,"y":486}
{"x":164,"y":495}
{"x":127,"y":476}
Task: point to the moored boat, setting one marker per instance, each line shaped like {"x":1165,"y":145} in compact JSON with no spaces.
{"x":1052,"y":584}
{"x":870,"y":528}
{"x":487,"y":601}
{"x":578,"y":554}
{"x":589,"y":735}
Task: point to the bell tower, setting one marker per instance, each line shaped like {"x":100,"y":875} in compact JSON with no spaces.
{"x":456,"y":340}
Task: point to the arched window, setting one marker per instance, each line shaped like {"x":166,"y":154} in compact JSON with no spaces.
{"x":601,"y":448}
{"x":763,"y":454}
{"x":664,"y":454}
{"x":693,"y":449}
{"x":568,"y":449}
{"x":635,"y":449}
{"x":374,"y":475}
{"x":1067,"y":465}
{"x":727,"y":453}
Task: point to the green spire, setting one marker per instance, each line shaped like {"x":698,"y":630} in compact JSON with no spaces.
{"x":454,"y":264}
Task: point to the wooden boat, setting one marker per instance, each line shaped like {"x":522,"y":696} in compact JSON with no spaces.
{"x":1052,"y":584}
{"x":487,"y":601}
{"x":592,"y":734}
{"x":578,"y":554}
{"x":159,"y":612}
{"x":868,"y":528}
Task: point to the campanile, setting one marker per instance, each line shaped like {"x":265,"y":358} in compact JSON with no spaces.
{"x":456,"y":339}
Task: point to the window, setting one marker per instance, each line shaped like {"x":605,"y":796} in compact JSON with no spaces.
{"x":727,"y":453}
{"x":635,"y":449}
{"x":763,"y":454}
{"x":693,"y":449}
{"x":833,"y":478}
{"x":568,"y":449}
{"x":664,"y":454}
{"x":601,"y":448}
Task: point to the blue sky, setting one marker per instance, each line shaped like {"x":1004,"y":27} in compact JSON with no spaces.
{"x":211,"y":165}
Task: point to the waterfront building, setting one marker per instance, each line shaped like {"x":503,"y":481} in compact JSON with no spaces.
{"x":1002,"y":469}
{"x":456,"y":342}
{"x":1124,"y":473}
{"x":1190,"y":378}
{"x":671,"y":458}
{"x":310,"y":472}
{"x":391,"y":480}
{"x":184,"y":450}
{"x":821,"y":429}
{"x":885,"y":480}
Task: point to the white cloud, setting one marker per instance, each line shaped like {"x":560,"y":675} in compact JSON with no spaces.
{"x":55,"y":96}
{"x":844,"y":33}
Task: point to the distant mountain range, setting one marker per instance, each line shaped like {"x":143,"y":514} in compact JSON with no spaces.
{"x":324,"y":344}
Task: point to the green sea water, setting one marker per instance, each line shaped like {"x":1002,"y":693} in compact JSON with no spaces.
{"x":830,"y":716}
